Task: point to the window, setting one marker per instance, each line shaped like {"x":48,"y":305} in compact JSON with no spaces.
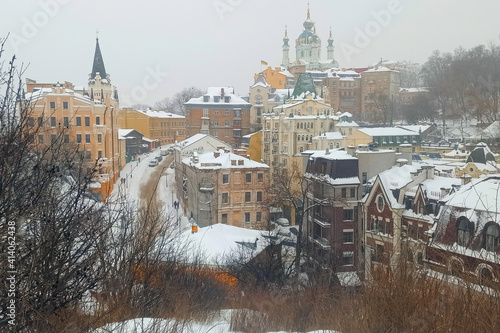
{"x":225,"y":198}
{"x":66,"y":138}
{"x":216,"y":112}
{"x":99,"y":138}
{"x":258,"y":216}
{"x":344,"y":192}
{"x":260,"y":177}
{"x":226,"y":112}
{"x":491,"y":239}
{"x":78,"y":121}
{"x":226,"y":123}
{"x":98,"y":120}
{"x":259,"y":196}
{"x":247,"y":217}
{"x":87,"y":121}
{"x":348,"y":215}
{"x":259,"y":112}
{"x":66,"y":122}
{"x":65,"y":105}
{"x":420,"y":258}
{"x":99,"y":154}
{"x":380,"y":203}
{"x":353,"y":192}
{"x":248,"y":196}
{"x":248,"y":177}
{"x":348,"y":236}
{"x":225,"y":179}
{"x":464,"y":230}
{"x":237,"y":133}
{"x":224,"y":218}
{"x":52,"y":105}
{"x":205,"y":112}
{"x":31,"y":121}
{"x":365,"y":177}
{"x":52,"y":121}
{"x":87,"y":138}
{"x":216,"y":123}
{"x":348,"y":258}
{"x":53,"y":138}
{"x":216,"y":133}
{"x":78,"y":138}
{"x":40,"y":138}
{"x":87,"y":155}
{"x":40,"y":121}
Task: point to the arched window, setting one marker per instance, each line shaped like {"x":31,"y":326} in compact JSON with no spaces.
{"x":337,"y":145}
{"x":331,"y":145}
{"x":298,"y":137}
{"x":301,"y":125}
{"x":464,"y":231}
{"x":312,"y":125}
{"x":298,"y":125}
{"x":259,"y":100}
{"x":492,"y":235}
{"x":302,"y":137}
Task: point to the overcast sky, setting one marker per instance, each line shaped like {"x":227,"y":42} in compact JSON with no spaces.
{"x":154,"y":48}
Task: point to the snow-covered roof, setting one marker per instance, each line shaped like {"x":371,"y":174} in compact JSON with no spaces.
{"x":379,"y":69}
{"x":481,"y":195}
{"x":160,"y":114}
{"x":217,"y":243}
{"x":416,"y":128}
{"x":192,"y":139}
{"x":386,"y":131}
{"x":123,"y":132}
{"x":329,"y":136}
{"x":333,"y":154}
{"x":396,"y":178}
{"x":346,"y":124}
{"x":222,"y":160}
{"x":413,"y":90}
{"x":39,"y":93}
{"x":433,"y":186}
{"x":214,"y":93}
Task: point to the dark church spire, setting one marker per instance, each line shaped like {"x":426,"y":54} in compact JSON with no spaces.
{"x":98,"y":66}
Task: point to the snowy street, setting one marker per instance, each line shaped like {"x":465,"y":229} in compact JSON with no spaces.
{"x":138,"y":175}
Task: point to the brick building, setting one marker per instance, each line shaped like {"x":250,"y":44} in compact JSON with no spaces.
{"x":219,"y":113}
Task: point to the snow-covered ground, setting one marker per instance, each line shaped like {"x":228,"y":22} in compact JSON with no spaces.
{"x":221,"y":324}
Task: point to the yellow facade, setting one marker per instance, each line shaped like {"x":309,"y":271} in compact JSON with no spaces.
{"x":274,"y":77}
{"x":156,"y":125}
{"x":89,"y":125}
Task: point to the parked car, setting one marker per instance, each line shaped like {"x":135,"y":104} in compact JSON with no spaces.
{"x":153,"y":163}
{"x":159,"y":158}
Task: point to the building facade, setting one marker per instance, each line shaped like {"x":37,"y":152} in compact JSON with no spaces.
{"x":222,"y":187}
{"x":82,"y":118}
{"x":333,"y":232}
{"x":219,"y":113}
{"x":162,"y":127}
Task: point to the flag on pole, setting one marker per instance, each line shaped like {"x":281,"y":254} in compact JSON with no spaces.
{"x":262,"y":62}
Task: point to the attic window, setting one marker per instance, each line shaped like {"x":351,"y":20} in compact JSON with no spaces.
{"x":492,"y":237}
{"x":227,"y":99}
{"x":380,"y":203}
{"x":464,"y":231}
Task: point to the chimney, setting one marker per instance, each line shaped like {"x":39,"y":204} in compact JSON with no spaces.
{"x":221,"y":92}
{"x":327,"y":152}
{"x":351,"y":150}
{"x":466,"y":178}
{"x":444,"y":192}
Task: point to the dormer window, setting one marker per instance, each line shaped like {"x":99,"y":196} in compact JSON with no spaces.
{"x":227,"y":99}
{"x":464,"y":231}
{"x":216,"y":99}
{"x":206,"y":98}
{"x":492,"y":235}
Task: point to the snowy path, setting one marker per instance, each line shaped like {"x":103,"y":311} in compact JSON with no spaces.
{"x":137,"y":175}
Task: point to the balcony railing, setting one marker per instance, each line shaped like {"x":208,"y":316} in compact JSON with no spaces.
{"x":322,"y":221}
{"x":323,"y":242}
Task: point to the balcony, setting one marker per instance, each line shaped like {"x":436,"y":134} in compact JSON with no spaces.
{"x":322,"y":221}
{"x":323,"y":242}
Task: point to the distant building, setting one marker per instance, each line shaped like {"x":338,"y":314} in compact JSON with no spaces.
{"x":219,"y":113}
{"x":86,"y":118}
{"x":135,"y":143}
{"x":221,"y":187}
{"x":160,"y":126}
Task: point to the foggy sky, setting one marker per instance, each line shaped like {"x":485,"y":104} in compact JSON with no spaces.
{"x":154,"y":48}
